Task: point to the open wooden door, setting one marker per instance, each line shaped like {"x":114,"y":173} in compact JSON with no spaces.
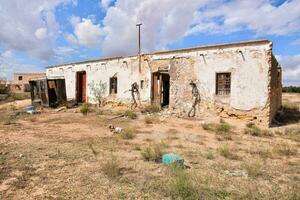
{"x":160,"y":88}
{"x":81,"y":87}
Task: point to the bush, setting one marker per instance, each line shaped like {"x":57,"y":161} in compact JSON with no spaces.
{"x":153,"y":153}
{"x":130,"y":114}
{"x":208,"y":126}
{"x":151,"y":119}
{"x":128,"y":133}
{"x":85,"y":109}
{"x":154,"y":108}
{"x":20,"y":96}
{"x":111,"y":168}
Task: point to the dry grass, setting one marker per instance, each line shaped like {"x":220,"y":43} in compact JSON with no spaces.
{"x":227,"y":152}
{"x":128,"y":133}
{"x":151,"y":108}
{"x":130,"y":114}
{"x":254,"y":168}
{"x":152,"y":119}
{"x":223,"y":130}
{"x":153,"y":152}
{"x":285,"y":149}
{"x":253,"y":130}
{"x":111,"y":168}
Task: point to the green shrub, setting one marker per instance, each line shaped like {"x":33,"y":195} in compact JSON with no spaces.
{"x":151,"y":119}
{"x":85,"y":109}
{"x":153,"y":153}
{"x":130,"y":114}
{"x":128,"y":133}
{"x":223,"y":129}
{"x":21,"y":96}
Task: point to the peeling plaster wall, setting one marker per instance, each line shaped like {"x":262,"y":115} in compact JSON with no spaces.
{"x":250,"y":64}
{"x":125,"y":69}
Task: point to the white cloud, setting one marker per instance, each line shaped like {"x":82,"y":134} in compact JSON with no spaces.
{"x":104,"y":4}
{"x":29,"y":26}
{"x":41,"y":33}
{"x":291,"y":69}
{"x":259,"y":16}
{"x":164,"y":22}
{"x":6,"y":54}
{"x":86,"y":33}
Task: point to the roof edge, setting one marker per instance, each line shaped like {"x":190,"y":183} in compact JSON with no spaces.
{"x":212,"y":46}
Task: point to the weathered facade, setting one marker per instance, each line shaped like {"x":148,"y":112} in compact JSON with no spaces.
{"x":240,"y":80}
{"x":20,"y":83}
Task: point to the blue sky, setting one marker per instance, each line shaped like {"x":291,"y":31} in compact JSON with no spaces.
{"x":36,"y":34}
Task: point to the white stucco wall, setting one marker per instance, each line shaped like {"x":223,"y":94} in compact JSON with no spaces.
{"x":247,"y":63}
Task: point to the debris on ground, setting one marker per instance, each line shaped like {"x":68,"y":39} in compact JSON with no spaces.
{"x":114,"y":129}
{"x":60,"y":109}
{"x":170,"y":158}
{"x":237,"y":173}
{"x":30,"y":110}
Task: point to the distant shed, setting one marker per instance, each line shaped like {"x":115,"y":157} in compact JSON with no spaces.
{"x":48,"y":92}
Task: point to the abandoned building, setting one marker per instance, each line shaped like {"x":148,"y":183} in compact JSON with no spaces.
{"x":241,"y":80}
{"x":20,"y":82}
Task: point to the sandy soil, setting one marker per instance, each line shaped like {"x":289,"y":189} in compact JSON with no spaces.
{"x":61,"y":155}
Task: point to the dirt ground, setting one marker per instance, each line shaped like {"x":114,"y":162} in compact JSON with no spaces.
{"x":67,"y":155}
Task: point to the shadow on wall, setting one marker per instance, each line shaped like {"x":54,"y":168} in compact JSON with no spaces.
{"x":289,"y":114}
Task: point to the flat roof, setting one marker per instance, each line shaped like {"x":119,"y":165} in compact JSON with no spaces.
{"x":203,"y":47}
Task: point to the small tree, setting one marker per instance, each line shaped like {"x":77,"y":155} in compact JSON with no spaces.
{"x":98,"y":91}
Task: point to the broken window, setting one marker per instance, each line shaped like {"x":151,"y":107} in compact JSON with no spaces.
{"x":20,"y":78}
{"x":223,"y":82}
{"x":113,"y":86}
{"x":142,"y":84}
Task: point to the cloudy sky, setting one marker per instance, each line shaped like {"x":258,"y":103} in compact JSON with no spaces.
{"x":38,"y":33}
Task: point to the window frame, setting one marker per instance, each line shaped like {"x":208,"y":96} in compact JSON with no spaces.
{"x":225,"y":91}
{"x":113,"y":85}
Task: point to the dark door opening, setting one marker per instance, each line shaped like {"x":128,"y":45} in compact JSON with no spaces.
{"x":161,"y":89}
{"x":81,"y":87}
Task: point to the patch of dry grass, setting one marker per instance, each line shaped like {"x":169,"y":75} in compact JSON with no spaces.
{"x":152,"y":119}
{"x":153,"y":152}
{"x":111,"y":168}
{"x":253,"y":130}
{"x":222,"y":129}
{"x":285,"y":149}
{"x":128,"y":133}
{"x":228,"y":152}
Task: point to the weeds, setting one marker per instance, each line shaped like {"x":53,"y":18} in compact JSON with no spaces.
{"x":181,"y":186}
{"x":85,"y":109}
{"x":209,"y":155}
{"x":128,"y":133}
{"x":253,"y":168}
{"x":130,"y":114}
{"x":293,"y":133}
{"x":153,"y":153}
{"x":111,"y":168}
{"x":223,"y":129}
{"x":253,"y":130}
{"x":151,"y":119}
{"x":226,"y":152}
{"x":154,"y":108}
{"x":285,"y":149}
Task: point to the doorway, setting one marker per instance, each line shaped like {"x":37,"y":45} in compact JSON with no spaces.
{"x":161,"y":88}
{"x":81,"y":87}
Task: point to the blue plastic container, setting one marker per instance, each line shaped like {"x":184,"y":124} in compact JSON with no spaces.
{"x":171,"y":158}
{"x":29,"y":108}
